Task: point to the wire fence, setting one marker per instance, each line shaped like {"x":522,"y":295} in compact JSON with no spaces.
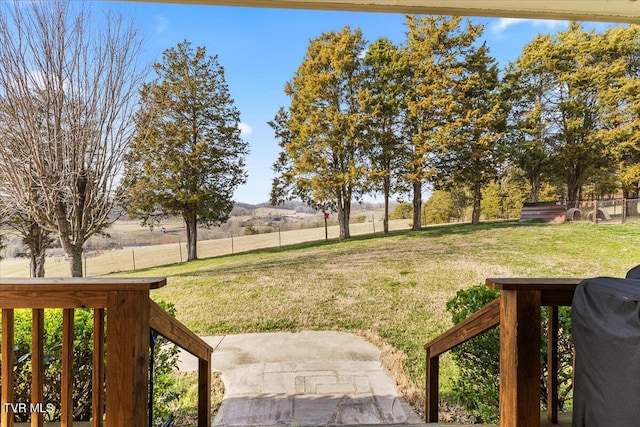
{"x":605,"y":211}
{"x":139,"y":257}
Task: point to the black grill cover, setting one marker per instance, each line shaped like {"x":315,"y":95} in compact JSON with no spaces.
{"x":606,"y":334}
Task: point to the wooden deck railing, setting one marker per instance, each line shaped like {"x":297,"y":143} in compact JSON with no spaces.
{"x":517,"y":312}
{"x":478,"y":323}
{"x":130,"y":316}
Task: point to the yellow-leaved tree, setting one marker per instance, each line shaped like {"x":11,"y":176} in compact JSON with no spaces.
{"x":320,"y":133}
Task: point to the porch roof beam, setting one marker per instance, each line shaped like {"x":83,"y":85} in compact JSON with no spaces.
{"x":581,"y":10}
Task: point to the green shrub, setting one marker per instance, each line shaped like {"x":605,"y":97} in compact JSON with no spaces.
{"x":440,"y":208}
{"x":358,"y":219}
{"x":402,"y":211}
{"x":477,"y":387}
{"x":478,"y":384}
{"x":491,"y":203}
{"x":166,"y":359}
{"x":251,"y":230}
{"x":166,"y":390}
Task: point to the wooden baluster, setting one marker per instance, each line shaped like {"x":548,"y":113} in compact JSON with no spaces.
{"x":433,"y":373}
{"x":66,"y":397}
{"x":552,"y":366}
{"x":97,"y":375}
{"x":6,"y":414}
{"x":127,"y":358}
{"x":204,"y":392}
{"x":37,"y":365}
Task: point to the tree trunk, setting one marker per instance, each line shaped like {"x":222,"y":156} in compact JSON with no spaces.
{"x":37,"y":241}
{"x":385,"y":222}
{"x":38,"y":255}
{"x":72,"y":247}
{"x":417,"y":206}
{"x":37,"y":264}
{"x":344,"y":213}
{"x":192,"y":236}
{"x":572,"y":195}
{"x":631,"y":206}
{"x":477,"y":198}
{"x":75,"y":258}
{"x":74,"y":252}
{"x":534,"y":190}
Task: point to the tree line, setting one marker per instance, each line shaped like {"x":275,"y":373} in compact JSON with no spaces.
{"x":391,"y":119}
{"x":84,"y":128}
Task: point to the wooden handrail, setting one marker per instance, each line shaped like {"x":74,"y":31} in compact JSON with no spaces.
{"x":167,"y":326}
{"x":478,"y":323}
{"x":130,"y":316}
{"x":552,"y":292}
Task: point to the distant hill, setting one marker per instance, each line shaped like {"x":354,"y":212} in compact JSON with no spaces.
{"x":241,"y":209}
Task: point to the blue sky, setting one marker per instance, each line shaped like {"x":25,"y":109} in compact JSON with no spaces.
{"x":261,"y":49}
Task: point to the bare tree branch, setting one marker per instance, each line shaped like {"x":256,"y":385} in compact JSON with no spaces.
{"x":68,"y":90}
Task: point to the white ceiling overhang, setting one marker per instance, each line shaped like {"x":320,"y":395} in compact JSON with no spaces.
{"x":580,"y":10}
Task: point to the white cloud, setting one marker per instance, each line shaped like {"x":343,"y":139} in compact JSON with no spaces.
{"x":544,"y":24}
{"x":245,"y":129}
{"x":504,"y":23}
{"x":162,"y":23}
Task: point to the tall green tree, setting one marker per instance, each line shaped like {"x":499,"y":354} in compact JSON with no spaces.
{"x":384,"y":103}
{"x":436,"y":46}
{"x":472,"y":150}
{"x":579,"y":151}
{"x":187,"y":157}
{"x":526,"y":85}
{"x":320,"y":133}
{"x":619,"y":89}
{"x":562,"y":78}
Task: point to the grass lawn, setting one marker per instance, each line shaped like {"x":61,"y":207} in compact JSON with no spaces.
{"x":391,"y":289}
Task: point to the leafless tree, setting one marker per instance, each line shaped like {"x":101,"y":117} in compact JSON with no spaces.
{"x":68,"y":90}
{"x":35,"y":237}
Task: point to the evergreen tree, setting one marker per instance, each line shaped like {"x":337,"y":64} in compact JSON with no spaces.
{"x":320,"y":133}
{"x":619,"y":89}
{"x":440,"y":208}
{"x":435,"y":46}
{"x":385,"y":106}
{"x":187,"y":157}
{"x":579,"y":151}
{"x":526,"y":84}
{"x":471,"y":151}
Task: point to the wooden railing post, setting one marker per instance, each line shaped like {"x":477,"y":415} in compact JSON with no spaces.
{"x":6,"y":414}
{"x":37,"y":365}
{"x":204,"y":392}
{"x":130,"y":316}
{"x":520,"y":358}
{"x":97,"y":375}
{"x":552,"y":366}
{"x":66,"y":382}
{"x":127,"y":358}
{"x":433,"y":374}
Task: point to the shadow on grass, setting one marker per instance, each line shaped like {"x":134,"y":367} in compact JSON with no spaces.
{"x":302,"y":258}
